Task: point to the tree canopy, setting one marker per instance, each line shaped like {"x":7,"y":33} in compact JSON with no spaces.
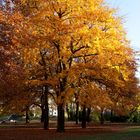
{"x":74,"y":48}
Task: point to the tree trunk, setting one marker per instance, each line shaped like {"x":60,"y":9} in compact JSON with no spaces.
{"x":46,"y":109}
{"x":71,"y":112}
{"x":45,"y":95}
{"x":60,"y":107}
{"x":42,"y":114}
{"x":101,"y":117}
{"x":111,"y":113}
{"x":42,"y":106}
{"x":88,"y":114}
{"x":27,"y":114}
{"x":84,"y":117}
{"x":60,"y":118}
{"x":77,"y":112}
{"x":68,"y":111}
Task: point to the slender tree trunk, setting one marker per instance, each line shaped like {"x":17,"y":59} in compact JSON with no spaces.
{"x":27,"y":114}
{"x":77,"y":112}
{"x":60,"y":118}
{"x":88,"y":114}
{"x":42,"y":107}
{"x":46,"y":109}
{"x":84,"y":117}
{"x":42,"y":114}
{"x":68,"y":111}
{"x":71,"y":112}
{"x":101,"y":117}
{"x":111,"y":113}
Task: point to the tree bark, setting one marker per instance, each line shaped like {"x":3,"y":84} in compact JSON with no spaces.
{"x":60,"y":106}
{"x":27,"y":114}
{"x":84,"y":117}
{"x":42,"y":114}
{"x":68,"y":111}
{"x":46,"y":109}
{"x":111,"y":113}
{"x":101,"y":117}
{"x":71,"y":112}
{"x":42,"y":107}
{"x":88,"y":114}
{"x":77,"y":112}
{"x":60,"y":118}
{"x":62,"y":84}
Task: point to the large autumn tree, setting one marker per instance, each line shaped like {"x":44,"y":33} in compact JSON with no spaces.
{"x":81,"y":43}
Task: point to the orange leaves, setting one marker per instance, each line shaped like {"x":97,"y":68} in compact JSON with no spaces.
{"x":75,"y":47}
{"x":30,"y":55}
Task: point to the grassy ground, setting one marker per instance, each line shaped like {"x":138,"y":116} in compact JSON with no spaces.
{"x":130,"y":134}
{"x":73,"y":132}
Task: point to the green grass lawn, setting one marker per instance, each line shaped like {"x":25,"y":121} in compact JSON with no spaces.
{"x":130,"y":134}
{"x":106,"y":132}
